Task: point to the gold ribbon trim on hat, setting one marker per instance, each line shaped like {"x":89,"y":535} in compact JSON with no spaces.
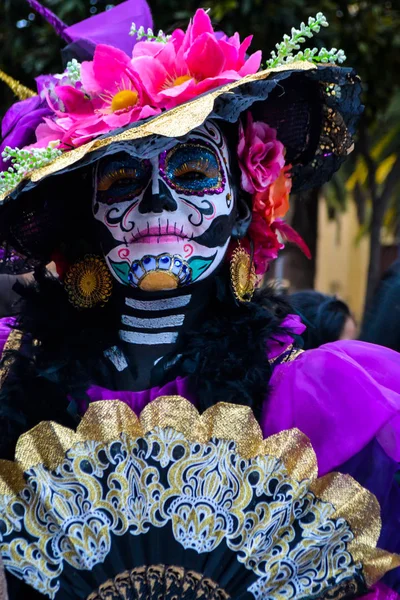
{"x":22,"y":92}
{"x":336,"y":495}
{"x":173,"y":123}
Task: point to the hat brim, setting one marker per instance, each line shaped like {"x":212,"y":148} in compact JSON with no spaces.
{"x":330,"y":120}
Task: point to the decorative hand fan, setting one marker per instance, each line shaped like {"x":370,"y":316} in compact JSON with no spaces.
{"x":180,"y":506}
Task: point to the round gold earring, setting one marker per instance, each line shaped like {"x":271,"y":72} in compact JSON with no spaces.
{"x":88,"y":282}
{"x":243,"y":275}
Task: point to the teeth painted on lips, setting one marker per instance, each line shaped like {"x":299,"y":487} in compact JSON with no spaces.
{"x":161,"y":231}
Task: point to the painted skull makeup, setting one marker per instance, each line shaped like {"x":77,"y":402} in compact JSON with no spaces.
{"x":171,"y":217}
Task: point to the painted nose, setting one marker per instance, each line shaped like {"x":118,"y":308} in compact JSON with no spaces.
{"x":157,"y":202}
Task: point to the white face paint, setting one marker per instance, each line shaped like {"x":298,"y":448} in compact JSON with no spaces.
{"x":170,"y":217}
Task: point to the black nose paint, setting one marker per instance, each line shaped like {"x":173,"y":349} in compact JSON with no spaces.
{"x":157,"y":203}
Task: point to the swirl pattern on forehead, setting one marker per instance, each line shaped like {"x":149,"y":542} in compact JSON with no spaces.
{"x":210,"y":131}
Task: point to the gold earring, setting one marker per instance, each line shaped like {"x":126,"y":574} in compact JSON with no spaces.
{"x":88,"y":282}
{"x":243,"y":275}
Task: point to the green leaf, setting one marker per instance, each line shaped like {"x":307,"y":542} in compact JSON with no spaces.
{"x":121,"y":270}
{"x":199,"y":265}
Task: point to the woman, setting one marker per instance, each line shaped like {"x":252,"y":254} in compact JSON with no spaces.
{"x":327,"y":318}
{"x":157,"y":184}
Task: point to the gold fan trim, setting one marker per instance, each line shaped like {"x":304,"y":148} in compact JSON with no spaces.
{"x":173,"y":123}
{"x":106,"y":420}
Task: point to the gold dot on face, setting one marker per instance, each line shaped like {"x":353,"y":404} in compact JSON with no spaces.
{"x":157,"y":280}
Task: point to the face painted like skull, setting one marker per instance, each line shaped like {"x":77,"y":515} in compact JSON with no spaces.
{"x":171,"y":217}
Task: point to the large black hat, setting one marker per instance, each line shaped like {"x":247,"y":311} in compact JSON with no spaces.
{"x":313,"y":105}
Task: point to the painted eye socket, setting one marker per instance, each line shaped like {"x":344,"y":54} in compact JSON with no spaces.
{"x":193,"y":169}
{"x":120,"y":183}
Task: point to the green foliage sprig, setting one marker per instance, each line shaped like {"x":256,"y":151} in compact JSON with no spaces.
{"x":73,"y":71}
{"x":140,"y":33}
{"x":284,"y":50}
{"x":23,"y":162}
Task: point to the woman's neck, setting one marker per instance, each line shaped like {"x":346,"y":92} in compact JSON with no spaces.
{"x":151,"y":328}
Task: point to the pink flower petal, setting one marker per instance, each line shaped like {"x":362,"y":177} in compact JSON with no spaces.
{"x":167,"y":57}
{"x":76,"y":102}
{"x":177,"y":94}
{"x":81,"y":133}
{"x":147,"y":49}
{"x":234,"y":40}
{"x":230,"y":53}
{"x":177,"y":38}
{"x":89,"y":81}
{"x":205,"y":58}
{"x":119,"y":119}
{"x":46,"y":134}
{"x":123,"y":118}
{"x":152,"y":75}
{"x":252,"y":64}
{"x":201,"y":24}
{"x":261,"y":156}
{"x":212,"y":83}
{"x":148,"y":111}
{"x":110,"y":67}
{"x":244,"y":46}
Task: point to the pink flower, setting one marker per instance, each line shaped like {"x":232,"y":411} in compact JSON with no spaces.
{"x":274,"y":201}
{"x":261,"y":155}
{"x":266,"y":244}
{"x":191,"y":63}
{"x":111,"y":97}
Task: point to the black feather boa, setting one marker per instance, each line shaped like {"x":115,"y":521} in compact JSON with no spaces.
{"x":226,"y":357}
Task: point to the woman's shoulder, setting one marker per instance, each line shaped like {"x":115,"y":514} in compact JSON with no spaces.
{"x":341,"y":395}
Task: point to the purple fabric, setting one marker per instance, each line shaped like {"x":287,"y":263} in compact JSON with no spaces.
{"x":138,"y":400}
{"x":380,"y":591}
{"x":113,"y":30}
{"x":376,"y":471}
{"x":19,"y":124}
{"x":276,"y":346}
{"x":6,"y":324}
{"x":342,"y":396}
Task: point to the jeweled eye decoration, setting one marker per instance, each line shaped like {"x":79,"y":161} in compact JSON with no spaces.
{"x":193,"y":169}
{"x":120,"y":182}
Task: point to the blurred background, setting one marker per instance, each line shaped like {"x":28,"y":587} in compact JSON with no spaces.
{"x":351,"y":225}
